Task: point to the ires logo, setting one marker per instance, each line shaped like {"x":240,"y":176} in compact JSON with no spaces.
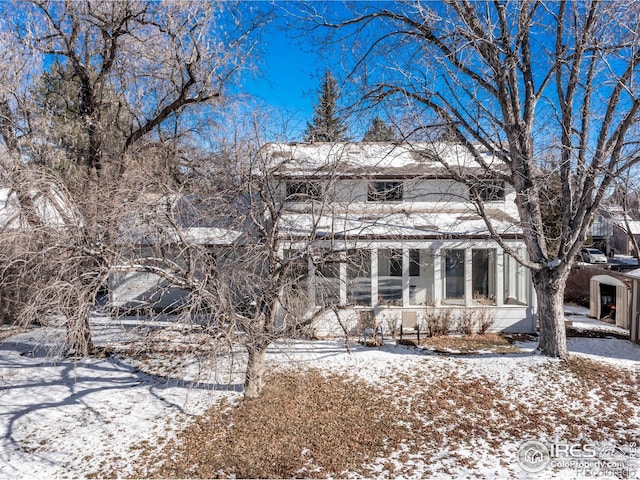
{"x":594,"y":459}
{"x":533,"y":456}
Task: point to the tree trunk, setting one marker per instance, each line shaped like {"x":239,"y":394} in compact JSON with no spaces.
{"x":254,"y":374}
{"x":549,"y":286}
{"x":79,"y":343}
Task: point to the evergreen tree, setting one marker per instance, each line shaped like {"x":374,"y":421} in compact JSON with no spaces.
{"x":327,"y":126}
{"x":379,"y":132}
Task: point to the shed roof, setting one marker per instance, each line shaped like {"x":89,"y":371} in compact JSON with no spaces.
{"x":633,"y":273}
{"x":609,"y":280}
{"x":634,"y":227}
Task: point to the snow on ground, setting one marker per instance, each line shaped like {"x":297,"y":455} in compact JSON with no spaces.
{"x":66,"y":419}
{"x":579,"y":317}
{"x":60,"y":418}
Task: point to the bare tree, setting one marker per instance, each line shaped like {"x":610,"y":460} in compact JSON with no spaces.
{"x":516,"y":80}
{"x":127,"y":84}
{"x":232,"y":246}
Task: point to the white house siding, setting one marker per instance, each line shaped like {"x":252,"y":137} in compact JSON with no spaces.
{"x":514,"y":319}
{"x":143,"y":291}
{"x":418,"y":194}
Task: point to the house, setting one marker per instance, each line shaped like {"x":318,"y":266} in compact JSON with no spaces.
{"x":609,"y":231}
{"x":50,"y":207}
{"x":160,"y":237}
{"x":393,"y":234}
{"x":27,"y":216}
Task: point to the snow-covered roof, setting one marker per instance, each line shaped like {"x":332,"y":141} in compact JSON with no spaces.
{"x":634,"y":227}
{"x":633,"y":273}
{"x":190,"y":235}
{"x":49,"y":205}
{"x":373,"y":159}
{"x":460,"y":223}
{"x":193,"y":220}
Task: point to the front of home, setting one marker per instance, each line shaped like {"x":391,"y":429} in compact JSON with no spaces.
{"x":393,"y":233}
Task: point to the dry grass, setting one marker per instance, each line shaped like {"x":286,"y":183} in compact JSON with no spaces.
{"x":307,"y":424}
{"x":304,"y":425}
{"x":7,"y":331}
{"x":489,"y":342}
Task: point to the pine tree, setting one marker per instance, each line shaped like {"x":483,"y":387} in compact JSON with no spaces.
{"x":379,"y":132}
{"x":327,"y":126}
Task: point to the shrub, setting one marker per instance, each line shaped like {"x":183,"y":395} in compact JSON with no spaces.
{"x":486,"y":318}
{"x":475,"y":321}
{"x":438,"y":322}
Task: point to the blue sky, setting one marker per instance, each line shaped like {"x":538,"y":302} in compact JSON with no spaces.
{"x":290,"y":71}
{"x":293,"y":63}
{"x":289,"y":74}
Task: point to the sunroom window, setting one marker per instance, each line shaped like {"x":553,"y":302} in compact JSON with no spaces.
{"x":298,"y":274}
{"x":420,"y":277}
{"x":359,"y":277}
{"x":390,"y":276}
{"x":327,"y":283}
{"x":483,"y":276}
{"x":453,"y":269}
{"x":516,"y":282}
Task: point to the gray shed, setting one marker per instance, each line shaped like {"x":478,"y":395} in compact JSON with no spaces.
{"x":609,"y":298}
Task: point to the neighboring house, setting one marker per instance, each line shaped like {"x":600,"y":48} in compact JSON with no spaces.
{"x":394,"y":234}
{"x":634,"y":231}
{"x":50,"y":207}
{"x":609,"y":232}
{"x":42,"y":206}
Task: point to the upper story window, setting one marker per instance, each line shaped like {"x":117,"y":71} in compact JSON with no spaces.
{"x":491,"y":190}
{"x":385,"y":191}
{"x":301,"y":191}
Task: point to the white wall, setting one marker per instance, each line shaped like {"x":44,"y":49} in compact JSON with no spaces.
{"x":508,"y":319}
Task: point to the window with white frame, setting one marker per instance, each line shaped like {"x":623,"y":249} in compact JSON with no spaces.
{"x":453,"y":275}
{"x":304,"y":191}
{"x":483,"y":275}
{"x":390,"y":276}
{"x":359,"y":277}
{"x":516,"y":282}
{"x":385,"y":191}
{"x":421,"y":277}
